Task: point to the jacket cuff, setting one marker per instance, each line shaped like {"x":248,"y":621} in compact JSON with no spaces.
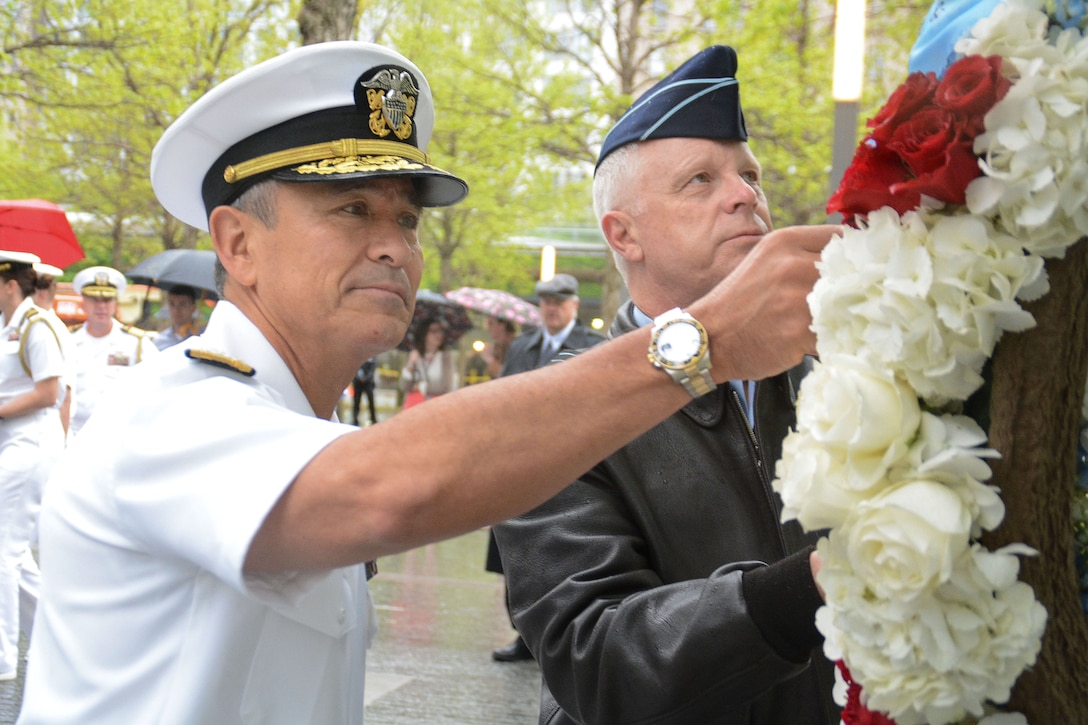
{"x":782,"y":601}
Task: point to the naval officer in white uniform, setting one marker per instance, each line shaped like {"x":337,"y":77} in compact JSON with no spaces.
{"x":31,"y":365}
{"x":204,"y":537}
{"x":104,"y":348}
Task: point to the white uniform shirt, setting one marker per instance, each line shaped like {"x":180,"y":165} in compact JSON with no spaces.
{"x":100,"y":361}
{"x":41,"y":352}
{"x":146,"y":616}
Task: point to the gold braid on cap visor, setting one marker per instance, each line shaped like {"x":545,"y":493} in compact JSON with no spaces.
{"x":99,"y":291}
{"x":319,"y":151}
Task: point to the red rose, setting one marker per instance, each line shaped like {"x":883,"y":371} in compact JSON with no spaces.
{"x":971,"y":86}
{"x":868,"y":182}
{"x":948,"y":181}
{"x":915,"y":93}
{"x":921,"y":140}
{"x":855,"y":713}
{"x":937,"y":147}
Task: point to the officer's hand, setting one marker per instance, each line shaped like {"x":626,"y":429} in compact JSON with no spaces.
{"x":758,"y":317}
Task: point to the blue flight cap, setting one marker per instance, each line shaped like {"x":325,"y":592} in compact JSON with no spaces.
{"x":700,"y":99}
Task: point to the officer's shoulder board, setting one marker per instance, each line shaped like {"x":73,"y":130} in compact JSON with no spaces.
{"x":219,"y":360}
{"x":134,"y":331}
{"x":32,"y":316}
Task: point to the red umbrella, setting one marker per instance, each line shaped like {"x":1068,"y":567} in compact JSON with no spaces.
{"x":41,"y":228}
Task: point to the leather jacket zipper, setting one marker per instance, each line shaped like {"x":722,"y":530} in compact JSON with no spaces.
{"x":739,"y":404}
{"x":768,"y":491}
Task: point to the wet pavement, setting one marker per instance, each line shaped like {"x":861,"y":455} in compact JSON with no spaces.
{"x":440,"y":615}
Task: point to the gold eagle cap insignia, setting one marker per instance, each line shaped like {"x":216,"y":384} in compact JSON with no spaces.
{"x":392,"y":96}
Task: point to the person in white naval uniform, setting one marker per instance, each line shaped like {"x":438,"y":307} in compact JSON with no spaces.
{"x":30,"y":368}
{"x":45,"y":292}
{"x":104,"y":348}
{"x":204,"y":538}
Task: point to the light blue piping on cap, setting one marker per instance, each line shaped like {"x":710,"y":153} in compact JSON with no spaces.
{"x":717,"y":83}
{"x":723,"y":84}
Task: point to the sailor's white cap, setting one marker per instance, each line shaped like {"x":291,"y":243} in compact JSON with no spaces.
{"x":105,"y":282}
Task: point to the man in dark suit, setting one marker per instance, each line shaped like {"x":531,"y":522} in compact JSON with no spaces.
{"x":561,"y":330}
{"x":532,"y":349}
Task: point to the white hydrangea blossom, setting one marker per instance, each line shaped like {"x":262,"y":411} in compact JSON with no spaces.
{"x":943,"y":655}
{"x":1034,"y":150}
{"x":925,"y":295}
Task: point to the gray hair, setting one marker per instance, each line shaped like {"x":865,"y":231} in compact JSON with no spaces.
{"x":613,"y":189}
{"x":258,"y":200}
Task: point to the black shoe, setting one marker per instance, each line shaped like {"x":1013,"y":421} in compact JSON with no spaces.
{"x":516,"y":651}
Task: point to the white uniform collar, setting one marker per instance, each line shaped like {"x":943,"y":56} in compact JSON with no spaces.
{"x":19,"y":315}
{"x":231,"y":333}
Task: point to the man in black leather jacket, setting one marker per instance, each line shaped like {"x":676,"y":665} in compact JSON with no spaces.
{"x":661,"y":586}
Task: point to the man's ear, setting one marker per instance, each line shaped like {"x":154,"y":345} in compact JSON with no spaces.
{"x":231,"y":231}
{"x":619,"y":231}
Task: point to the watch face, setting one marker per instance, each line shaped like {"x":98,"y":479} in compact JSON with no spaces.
{"x":678,"y":343}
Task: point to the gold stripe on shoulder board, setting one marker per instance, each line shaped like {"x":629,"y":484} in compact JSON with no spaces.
{"x":220,"y":360}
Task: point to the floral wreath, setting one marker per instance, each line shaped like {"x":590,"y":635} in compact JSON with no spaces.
{"x":964,"y":184}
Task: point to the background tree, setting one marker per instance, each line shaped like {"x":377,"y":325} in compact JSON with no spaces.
{"x":91,"y":86}
{"x":323,"y":20}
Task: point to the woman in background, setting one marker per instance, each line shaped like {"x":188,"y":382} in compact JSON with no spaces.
{"x":430,"y":370}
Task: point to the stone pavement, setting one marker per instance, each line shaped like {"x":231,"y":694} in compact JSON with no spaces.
{"x":440,"y":615}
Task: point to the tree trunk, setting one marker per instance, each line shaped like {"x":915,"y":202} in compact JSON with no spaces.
{"x":117,"y":235}
{"x":323,"y":20}
{"x":1035,"y":413}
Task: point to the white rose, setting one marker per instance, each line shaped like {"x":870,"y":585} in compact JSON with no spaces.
{"x":903,"y":542}
{"x":809,"y":481}
{"x":861,"y":415}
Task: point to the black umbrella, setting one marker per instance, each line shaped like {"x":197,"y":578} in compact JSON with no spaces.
{"x":192,"y":267}
{"x":431,"y":307}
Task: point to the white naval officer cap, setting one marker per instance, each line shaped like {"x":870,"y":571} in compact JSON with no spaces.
{"x":9,"y":260}
{"x":49,"y":270}
{"x":102,"y":282}
{"x":322,"y":112}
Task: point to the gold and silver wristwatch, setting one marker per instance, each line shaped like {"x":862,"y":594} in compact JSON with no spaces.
{"x":679,"y":345}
